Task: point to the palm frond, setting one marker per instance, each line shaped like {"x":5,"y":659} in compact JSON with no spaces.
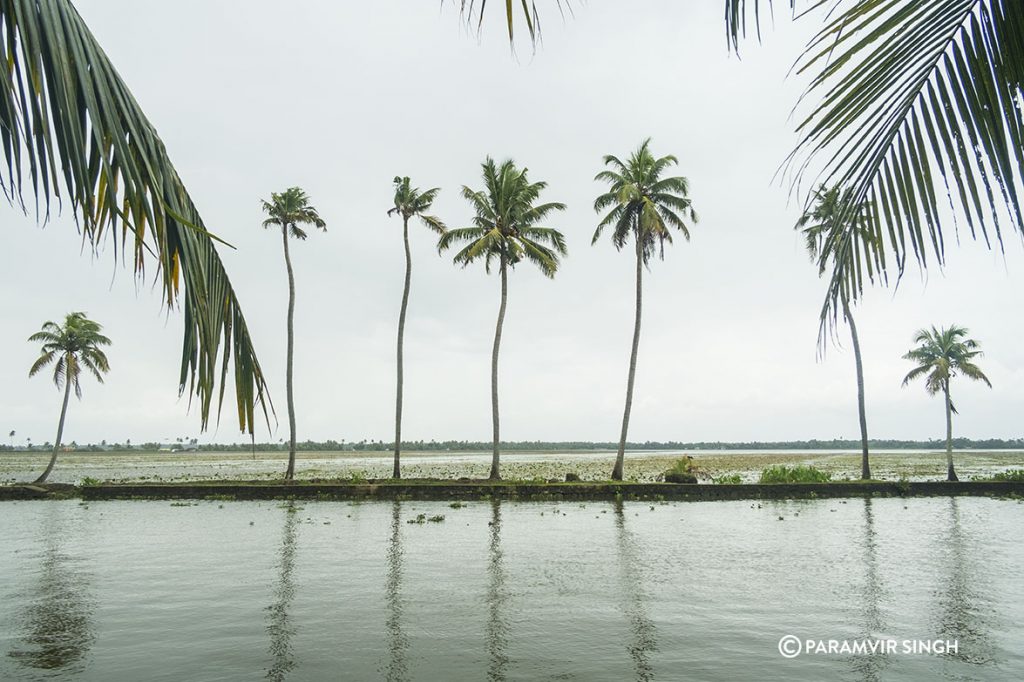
{"x":919,"y":115}
{"x":68,"y":123}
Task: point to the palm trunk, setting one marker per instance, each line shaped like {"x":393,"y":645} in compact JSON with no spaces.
{"x":60,"y":429}
{"x":290,"y":473}
{"x":865,"y":466}
{"x":397,"y":473}
{"x":950,"y":473}
{"x":495,"y":475}
{"x":621,"y":457}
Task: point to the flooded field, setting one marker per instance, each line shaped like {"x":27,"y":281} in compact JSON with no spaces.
{"x":126,"y":591}
{"x":73,"y":467}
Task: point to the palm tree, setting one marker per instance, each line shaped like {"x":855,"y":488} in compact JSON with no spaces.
{"x":11,"y":435}
{"x":67,"y":118}
{"x":930,"y":114}
{"x":506,"y":229}
{"x":823,"y":232}
{"x":288,"y":210}
{"x":409,"y":202}
{"x":74,"y":345}
{"x":941,"y":355}
{"x":643,"y":206}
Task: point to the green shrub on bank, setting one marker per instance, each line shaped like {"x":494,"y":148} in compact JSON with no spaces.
{"x":781,"y":473}
{"x":682,"y":471}
{"x":1013,"y":475}
{"x":728,"y":479}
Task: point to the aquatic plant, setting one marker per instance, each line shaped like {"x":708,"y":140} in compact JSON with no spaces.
{"x":683,"y":471}
{"x":800,"y":473}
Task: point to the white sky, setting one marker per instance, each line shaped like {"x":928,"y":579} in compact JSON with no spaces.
{"x":340,"y":97}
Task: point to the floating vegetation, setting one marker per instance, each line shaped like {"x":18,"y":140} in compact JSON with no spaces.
{"x":781,"y":473}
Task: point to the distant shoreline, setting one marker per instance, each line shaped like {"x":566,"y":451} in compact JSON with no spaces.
{"x":469,"y":447}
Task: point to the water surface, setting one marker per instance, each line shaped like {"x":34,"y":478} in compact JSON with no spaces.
{"x":507,"y":591}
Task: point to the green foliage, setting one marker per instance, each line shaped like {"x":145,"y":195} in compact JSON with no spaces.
{"x":457,"y":505}
{"x":682,"y":471}
{"x":1013,"y":475}
{"x":781,"y":473}
{"x":357,"y":477}
{"x":290,"y":209}
{"x":411,"y":201}
{"x":66,"y":117}
{"x":89,"y":482}
{"x":507,"y":225}
{"x":728,"y":479}
{"x":642,"y":204}
{"x":70,"y":347}
{"x":942,"y":354}
{"x":915,"y":108}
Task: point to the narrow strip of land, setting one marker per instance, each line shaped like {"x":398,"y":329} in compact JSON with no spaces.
{"x":470,"y":490}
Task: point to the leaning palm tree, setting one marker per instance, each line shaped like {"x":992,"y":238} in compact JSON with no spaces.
{"x":409,"y":202}
{"x":823,"y":232}
{"x":643,"y":206}
{"x":942,"y":354}
{"x":70,"y":348}
{"x":69,"y":125}
{"x":507,"y":230}
{"x":288,"y":210}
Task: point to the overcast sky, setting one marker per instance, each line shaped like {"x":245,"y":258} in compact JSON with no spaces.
{"x":339,"y":97}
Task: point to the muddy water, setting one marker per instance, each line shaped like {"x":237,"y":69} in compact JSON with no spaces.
{"x":509,"y":591}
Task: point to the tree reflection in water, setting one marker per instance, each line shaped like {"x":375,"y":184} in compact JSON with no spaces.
{"x":398,"y":640}
{"x":870,"y":665}
{"x":58,"y":620}
{"x":279,"y":623}
{"x":644,"y":634}
{"x":961,"y":616}
{"x":497,"y":597}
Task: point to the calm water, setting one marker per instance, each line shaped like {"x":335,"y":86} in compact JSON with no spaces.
{"x":512,"y":591}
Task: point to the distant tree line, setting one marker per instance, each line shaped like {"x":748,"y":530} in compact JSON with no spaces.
{"x":535,"y":445}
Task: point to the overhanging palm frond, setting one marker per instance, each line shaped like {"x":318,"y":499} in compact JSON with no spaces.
{"x":68,"y":120}
{"x":917,"y":110}
{"x":473,"y":13}
{"x":920,"y":117}
{"x":737,"y":20}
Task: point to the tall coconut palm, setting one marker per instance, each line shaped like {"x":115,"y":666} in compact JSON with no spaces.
{"x":68,"y":120}
{"x":644,"y":206}
{"x":288,"y":211}
{"x":823,"y":231}
{"x":942,"y":354}
{"x":409,"y":202}
{"x":71,"y":347}
{"x":507,"y":230}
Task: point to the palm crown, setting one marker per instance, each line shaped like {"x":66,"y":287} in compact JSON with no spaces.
{"x":506,"y":225}
{"x":642,"y":203}
{"x":835,"y":230}
{"x":290,"y":209}
{"x":74,"y":345}
{"x":410,"y":201}
{"x":943,"y":354}
{"x":821,"y":226}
